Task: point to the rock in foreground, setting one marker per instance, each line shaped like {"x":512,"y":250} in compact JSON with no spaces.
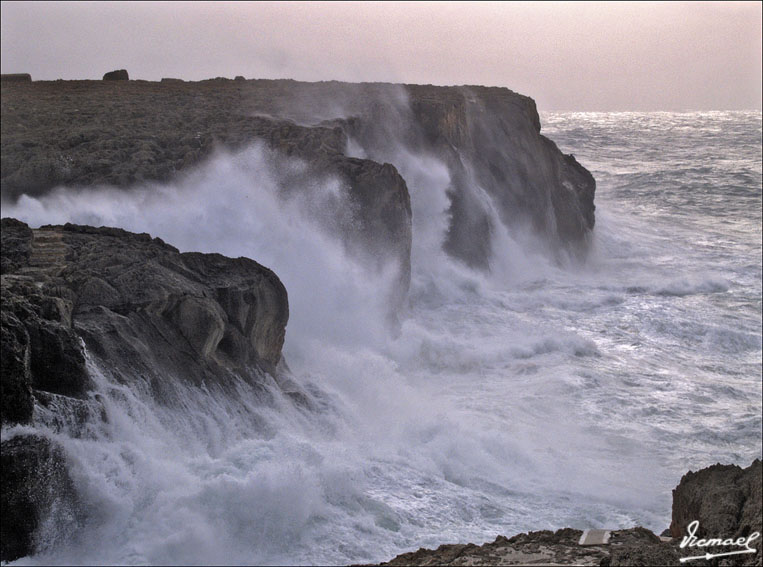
{"x":725,"y":499}
{"x":149,"y":315}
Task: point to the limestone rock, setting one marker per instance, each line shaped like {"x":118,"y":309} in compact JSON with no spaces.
{"x":17,"y":245}
{"x":137,"y":303}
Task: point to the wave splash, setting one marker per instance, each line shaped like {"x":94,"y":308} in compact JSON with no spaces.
{"x":495,"y":407}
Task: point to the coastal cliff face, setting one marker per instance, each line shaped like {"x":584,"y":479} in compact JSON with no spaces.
{"x":501,"y":170}
{"x":79,"y":300}
{"x":150,"y":315}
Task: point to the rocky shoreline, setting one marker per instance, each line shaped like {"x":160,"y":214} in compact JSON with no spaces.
{"x":76,"y":296}
{"x":724,"y":499}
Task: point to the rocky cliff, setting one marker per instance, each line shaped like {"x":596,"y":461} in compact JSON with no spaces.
{"x":149,"y":314}
{"x":501,"y":169}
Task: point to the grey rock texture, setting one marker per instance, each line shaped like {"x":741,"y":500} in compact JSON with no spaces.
{"x":145,"y":311}
{"x":550,"y":548}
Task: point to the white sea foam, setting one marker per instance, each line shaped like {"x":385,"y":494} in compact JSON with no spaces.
{"x":536,"y":396}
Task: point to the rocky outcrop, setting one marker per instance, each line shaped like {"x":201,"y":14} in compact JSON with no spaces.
{"x":16,"y":77}
{"x":144,"y":311}
{"x":119,"y":75}
{"x":727,"y":502}
{"x":725,"y":499}
{"x":502,"y":170}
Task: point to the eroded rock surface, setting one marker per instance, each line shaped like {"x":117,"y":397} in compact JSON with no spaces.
{"x":144,"y":311}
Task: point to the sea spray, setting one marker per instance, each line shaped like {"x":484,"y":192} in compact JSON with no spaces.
{"x":540,"y":395}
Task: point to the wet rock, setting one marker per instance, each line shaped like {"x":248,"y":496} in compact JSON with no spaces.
{"x":147,"y":314}
{"x":35,"y":485}
{"x":138,"y":304}
{"x":15,"y":376}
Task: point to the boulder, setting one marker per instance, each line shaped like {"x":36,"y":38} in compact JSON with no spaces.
{"x":119,"y":75}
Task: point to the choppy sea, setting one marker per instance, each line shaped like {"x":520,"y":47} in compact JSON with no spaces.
{"x":548,"y":393}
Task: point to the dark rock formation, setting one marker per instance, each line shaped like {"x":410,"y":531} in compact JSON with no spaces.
{"x":725,"y":499}
{"x":16,"y":77}
{"x":119,"y":75}
{"x":727,"y":502}
{"x":35,"y":484}
{"x":144,"y":311}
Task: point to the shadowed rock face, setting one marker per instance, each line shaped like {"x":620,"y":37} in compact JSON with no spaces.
{"x":137,"y":301}
{"x":144,"y":310}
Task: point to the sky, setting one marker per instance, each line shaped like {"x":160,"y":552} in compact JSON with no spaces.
{"x":584,"y":56}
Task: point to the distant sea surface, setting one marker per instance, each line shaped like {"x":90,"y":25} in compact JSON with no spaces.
{"x":548,"y":394}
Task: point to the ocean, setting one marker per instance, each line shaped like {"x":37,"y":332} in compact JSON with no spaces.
{"x":551,"y":392}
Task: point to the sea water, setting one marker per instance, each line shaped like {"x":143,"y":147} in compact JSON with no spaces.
{"x":547,"y":393}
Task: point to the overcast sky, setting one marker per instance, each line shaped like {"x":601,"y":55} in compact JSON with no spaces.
{"x":568,"y":56}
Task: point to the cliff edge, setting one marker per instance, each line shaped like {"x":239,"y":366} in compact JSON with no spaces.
{"x":501,"y":170}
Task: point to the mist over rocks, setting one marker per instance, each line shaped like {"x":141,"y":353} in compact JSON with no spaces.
{"x":501,"y":172}
{"x":149,"y":314}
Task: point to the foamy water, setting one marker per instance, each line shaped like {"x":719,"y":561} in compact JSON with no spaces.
{"x":535,"y":397}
